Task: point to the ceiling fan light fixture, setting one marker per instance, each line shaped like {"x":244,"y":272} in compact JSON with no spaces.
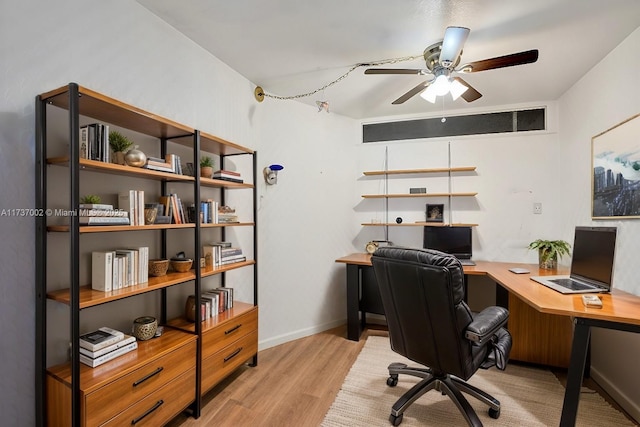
{"x":429,"y":94}
{"x":441,"y":85}
{"x":456,"y":88}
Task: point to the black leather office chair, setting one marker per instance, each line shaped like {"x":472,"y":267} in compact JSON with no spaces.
{"x":422,"y":293}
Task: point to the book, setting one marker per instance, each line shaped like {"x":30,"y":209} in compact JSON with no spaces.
{"x":102,"y":270}
{"x":128,"y":339}
{"x":98,"y":206}
{"x":108,"y":356}
{"x":127,"y":202}
{"x":102,"y":213}
{"x":103,"y":220}
{"x":100,"y":338}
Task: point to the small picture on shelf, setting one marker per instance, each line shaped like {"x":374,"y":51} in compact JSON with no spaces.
{"x":434,"y":213}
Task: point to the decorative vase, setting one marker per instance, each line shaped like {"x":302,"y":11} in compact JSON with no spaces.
{"x":135,"y":157}
{"x":206,"y":171}
{"x":118,"y":158}
{"x":547,"y":261}
{"x":144,"y":328}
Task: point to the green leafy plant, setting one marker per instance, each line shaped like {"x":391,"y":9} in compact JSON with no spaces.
{"x":549,"y":251}
{"x":90,"y":199}
{"x":206,"y":162}
{"x":118,"y":142}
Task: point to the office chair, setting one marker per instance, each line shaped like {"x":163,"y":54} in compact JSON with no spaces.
{"x":429,"y":323}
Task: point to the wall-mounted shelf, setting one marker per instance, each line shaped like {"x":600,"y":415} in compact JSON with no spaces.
{"x":417,"y":224}
{"x":419,"y":171}
{"x":418,"y":195}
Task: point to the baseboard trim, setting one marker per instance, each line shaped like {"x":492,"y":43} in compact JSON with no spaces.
{"x":300,"y":333}
{"x":621,"y":399}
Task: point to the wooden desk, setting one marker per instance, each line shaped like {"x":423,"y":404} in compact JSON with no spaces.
{"x":620,"y":311}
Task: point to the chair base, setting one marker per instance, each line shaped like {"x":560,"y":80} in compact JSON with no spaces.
{"x":450,"y":385}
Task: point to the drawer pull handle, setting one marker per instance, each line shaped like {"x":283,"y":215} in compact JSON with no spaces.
{"x":235,"y":328}
{"x":141,"y":417}
{"x":146,"y":377}
{"x":232,"y":355}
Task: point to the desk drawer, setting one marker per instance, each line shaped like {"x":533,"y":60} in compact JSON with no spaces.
{"x":222,"y":363}
{"x":221,"y":336}
{"x":161,"y":405}
{"x":109,"y":400}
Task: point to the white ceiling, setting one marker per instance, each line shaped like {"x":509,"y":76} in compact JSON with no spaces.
{"x":292,"y":47}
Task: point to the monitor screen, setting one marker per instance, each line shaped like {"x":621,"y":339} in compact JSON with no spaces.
{"x":451,"y":240}
{"x":593,"y":254}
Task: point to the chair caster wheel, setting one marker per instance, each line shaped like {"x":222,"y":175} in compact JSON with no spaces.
{"x":494,"y":413}
{"x":392,"y":381}
{"x":395,"y":420}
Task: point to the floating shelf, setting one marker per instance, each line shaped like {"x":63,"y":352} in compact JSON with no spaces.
{"x":419,"y":171}
{"x":398,"y":196}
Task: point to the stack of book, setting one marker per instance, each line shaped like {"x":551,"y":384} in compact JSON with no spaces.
{"x":121,"y":268}
{"x":226,"y":175}
{"x":102,"y":214}
{"x":226,"y":215}
{"x":171,"y":164}
{"x":103,"y":345}
{"x":222,"y":253}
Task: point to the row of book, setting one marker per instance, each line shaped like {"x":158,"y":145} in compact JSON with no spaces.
{"x":120,"y":268}
{"x":103,"y":345}
{"x":171,"y":206}
{"x":215,"y":301}
{"x":221,"y":253}
{"x":94,"y":142}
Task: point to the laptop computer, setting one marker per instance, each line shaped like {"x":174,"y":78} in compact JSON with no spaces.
{"x":591,"y":263}
{"x":455,"y":241}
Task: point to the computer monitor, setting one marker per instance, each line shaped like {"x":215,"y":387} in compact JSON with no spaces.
{"x":451,"y":240}
{"x":593,"y":254}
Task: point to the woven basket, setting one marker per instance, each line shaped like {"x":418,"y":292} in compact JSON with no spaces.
{"x":158,"y":267}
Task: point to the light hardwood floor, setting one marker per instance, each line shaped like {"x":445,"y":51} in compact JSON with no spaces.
{"x":294,"y":384}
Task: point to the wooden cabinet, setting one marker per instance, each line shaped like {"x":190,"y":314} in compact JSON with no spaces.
{"x":158,"y":380}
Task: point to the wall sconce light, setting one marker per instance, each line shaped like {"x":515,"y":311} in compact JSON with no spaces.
{"x":271,"y":174}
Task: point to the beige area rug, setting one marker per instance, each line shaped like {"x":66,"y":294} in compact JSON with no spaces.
{"x":528,"y":397}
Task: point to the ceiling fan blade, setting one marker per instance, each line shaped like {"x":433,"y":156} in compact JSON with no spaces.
{"x":392,"y":71}
{"x":470,"y":94}
{"x":454,"y":39}
{"x":520,"y":58}
{"x":416,"y":90}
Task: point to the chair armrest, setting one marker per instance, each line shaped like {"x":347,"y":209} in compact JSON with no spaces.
{"x":486,"y":323}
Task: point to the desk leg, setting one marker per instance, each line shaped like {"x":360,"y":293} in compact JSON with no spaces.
{"x":353,"y":302}
{"x":579,"y":349}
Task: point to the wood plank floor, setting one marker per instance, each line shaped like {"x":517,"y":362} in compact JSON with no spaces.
{"x":294,"y":384}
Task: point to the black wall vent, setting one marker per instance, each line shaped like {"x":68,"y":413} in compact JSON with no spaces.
{"x":474,"y":124}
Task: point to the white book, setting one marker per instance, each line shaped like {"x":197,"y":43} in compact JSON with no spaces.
{"x":96,"y":206}
{"x":128,"y":339}
{"x":109,"y":356}
{"x":140,"y":207}
{"x":102,"y":270}
{"x":101,"y":338}
{"x":126,"y":202}
{"x":103,"y":220}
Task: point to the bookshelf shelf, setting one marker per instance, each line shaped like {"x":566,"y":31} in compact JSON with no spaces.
{"x":74,"y":394}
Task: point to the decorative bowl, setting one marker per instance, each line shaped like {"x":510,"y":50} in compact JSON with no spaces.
{"x":158,"y":267}
{"x":144,"y":327}
{"x":181,"y":265}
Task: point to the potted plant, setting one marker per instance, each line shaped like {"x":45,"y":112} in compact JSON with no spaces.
{"x":206,"y":167}
{"x":119,"y":144}
{"x":549,"y":251}
{"x":90,"y":199}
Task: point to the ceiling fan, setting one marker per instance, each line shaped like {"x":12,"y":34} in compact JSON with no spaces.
{"x":442,"y":58}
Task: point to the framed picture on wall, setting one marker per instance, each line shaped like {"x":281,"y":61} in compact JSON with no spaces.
{"x":434,"y":213}
{"x":615,"y":165}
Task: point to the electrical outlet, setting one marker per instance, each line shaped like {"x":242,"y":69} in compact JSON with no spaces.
{"x":537,"y":208}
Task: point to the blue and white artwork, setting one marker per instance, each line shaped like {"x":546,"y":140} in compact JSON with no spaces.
{"x":616,"y":171}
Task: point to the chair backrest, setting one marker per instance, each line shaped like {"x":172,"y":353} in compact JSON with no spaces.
{"x":422,"y":293}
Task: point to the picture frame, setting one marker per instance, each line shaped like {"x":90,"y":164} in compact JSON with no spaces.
{"x":434,"y":213}
{"x":615,"y":171}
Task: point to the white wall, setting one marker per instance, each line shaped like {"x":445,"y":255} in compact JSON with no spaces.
{"x":608,"y":94}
